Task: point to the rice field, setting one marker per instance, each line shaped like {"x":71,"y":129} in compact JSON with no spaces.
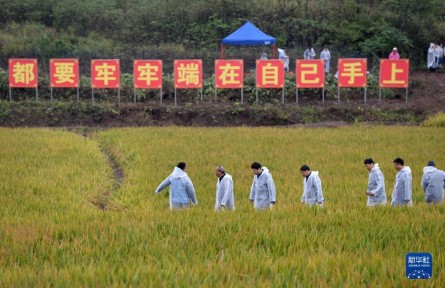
{"x":54,"y":233}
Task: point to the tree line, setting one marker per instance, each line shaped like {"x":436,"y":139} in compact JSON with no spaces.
{"x":174,"y":29}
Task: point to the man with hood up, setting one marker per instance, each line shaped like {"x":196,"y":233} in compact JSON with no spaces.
{"x":181,"y":188}
{"x":433,"y":183}
{"x":312,"y":192}
{"x":403,"y":187}
{"x":262,"y":192}
{"x":376,"y":184}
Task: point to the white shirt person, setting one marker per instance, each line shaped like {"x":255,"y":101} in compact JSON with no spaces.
{"x":224,"y":190}
{"x":262,"y":192}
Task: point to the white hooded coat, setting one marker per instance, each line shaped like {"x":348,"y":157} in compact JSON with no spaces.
{"x":312,"y":191}
{"x":282,"y":56}
{"x":431,"y":60}
{"x":376,"y":185}
{"x":403,"y":188}
{"x":326,"y":56}
{"x":433,"y":183}
{"x":263,"y":191}
{"x":182,"y":191}
{"x":224,"y":193}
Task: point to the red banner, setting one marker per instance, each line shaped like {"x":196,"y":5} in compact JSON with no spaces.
{"x":64,"y":73}
{"x":352,"y":72}
{"x":188,"y":74}
{"x":23,"y":73}
{"x":310,"y":73}
{"x":147,"y":74}
{"x":105,"y":73}
{"x":269,"y":73}
{"x":229,"y":74}
{"x":394,"y":73}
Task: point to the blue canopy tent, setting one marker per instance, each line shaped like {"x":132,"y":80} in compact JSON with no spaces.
{"x":248,"y":34}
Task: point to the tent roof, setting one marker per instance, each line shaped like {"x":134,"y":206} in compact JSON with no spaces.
{"x":248,"y":34}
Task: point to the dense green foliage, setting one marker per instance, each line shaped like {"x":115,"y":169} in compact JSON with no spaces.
{"x":170,"y":29}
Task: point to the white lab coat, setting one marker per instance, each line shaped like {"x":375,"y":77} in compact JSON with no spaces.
{"x":312,"y":191}
{"x":263,"y":191}
{"x":403,"y":188}
{"x":431,"y":60}
{"x":376,"y":185}
{"x":182,"y":191}
{"x":326,"y":56}
{"x":224,"y":193}
{"x":433,"y":184}
{"x":282,"y":56}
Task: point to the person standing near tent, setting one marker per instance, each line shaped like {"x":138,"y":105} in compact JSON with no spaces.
{"x":402,"y":194}
{"x":224,"y":190}
{"x":182,"y":191}
{"x":376,"y":184}
{"x":282,"y":56}
{"x":326,"y":56}
{"x":433,"y":183}
{"x":262,"y":192}
{"x":263,"y":56}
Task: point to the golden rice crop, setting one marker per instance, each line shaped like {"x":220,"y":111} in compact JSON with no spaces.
{"x":52,"y":234}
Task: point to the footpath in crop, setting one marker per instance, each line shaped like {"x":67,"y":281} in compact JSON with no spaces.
{"x":103,"y":201}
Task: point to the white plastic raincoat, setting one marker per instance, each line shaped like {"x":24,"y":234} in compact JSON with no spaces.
{"x":182,"y":191}
{"x":263,"y":191}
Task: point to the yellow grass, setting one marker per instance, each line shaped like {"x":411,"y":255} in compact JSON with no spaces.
{"x":52,"y":234}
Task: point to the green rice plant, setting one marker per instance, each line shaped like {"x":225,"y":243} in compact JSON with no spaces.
{"x":437,"y":120}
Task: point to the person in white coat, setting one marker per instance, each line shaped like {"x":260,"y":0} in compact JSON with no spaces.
{"x":224,"y":190}
{"x":182,"y":191}
{"x":431,"y":60}
{"x":326,"y":56}
{"x":402,"y":194}
{"x":309,"y":54}
{"x":433,"y":183}
{"x":376,"y":184}
{"x":282,"y":56}
{"x":262,"y":192}
{"x":312,"y":191}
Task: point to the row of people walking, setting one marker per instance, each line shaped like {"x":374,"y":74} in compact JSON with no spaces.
{"x":263,"y":191}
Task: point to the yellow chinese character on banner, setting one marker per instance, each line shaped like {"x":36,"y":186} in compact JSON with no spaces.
{"x":64,"y":72}
{"x":229,"y":74}
{"x":352,"y":70}
{"x":311,"y":71}
{"x":23,"y":73}
{"x":148,"y":73}
{"x":394,"y":71}
{"x":188,"y":73}
{"x":270,"y":74}
{"x":105,"y":73}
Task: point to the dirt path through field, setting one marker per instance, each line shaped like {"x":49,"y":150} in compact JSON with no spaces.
{"x":103,"y":201}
